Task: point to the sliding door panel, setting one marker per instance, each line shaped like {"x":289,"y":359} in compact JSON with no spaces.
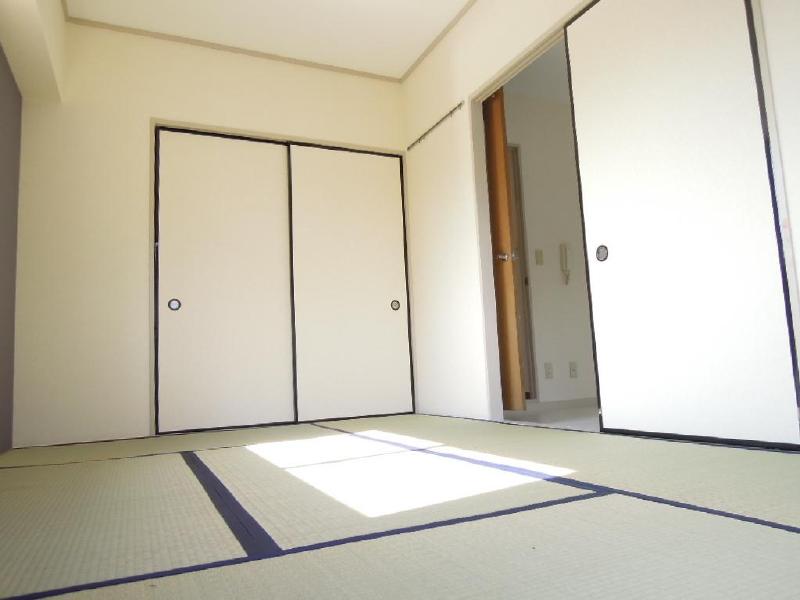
{"x":224,"y":352}
{"x":350,"y":286}
{"x":689,"y":310}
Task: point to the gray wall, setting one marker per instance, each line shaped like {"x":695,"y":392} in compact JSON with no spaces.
{"x":539,"y":121}
{"x":10,"y":117}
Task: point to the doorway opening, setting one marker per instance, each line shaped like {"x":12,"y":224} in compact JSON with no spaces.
{"x":547,"y":362}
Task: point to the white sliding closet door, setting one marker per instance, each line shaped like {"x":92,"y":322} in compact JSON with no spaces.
{"x":689,"y":312}
{"x":352,"y":346}
{"x":225,"y":356}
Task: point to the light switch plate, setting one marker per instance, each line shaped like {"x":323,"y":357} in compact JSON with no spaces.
{"x":548,"y":370}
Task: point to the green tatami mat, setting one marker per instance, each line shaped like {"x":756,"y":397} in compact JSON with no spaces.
{"x":89,"y":522}
{"x":757,"y":483}
{"x":611,"y":548}
{"x":310,"y":497}
{"x":74,"y":524}
{"x":162,"y":444}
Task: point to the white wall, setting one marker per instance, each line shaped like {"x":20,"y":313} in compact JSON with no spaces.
{"x":481,"y":48}
{"x":84,"y":287}
{"x":560,"y":313}
{"x":83,"y":347}
{"x":476,"y":56}
{"x":456,"y":364}
{"x":450,"y":372}
{"x":33,"y":36}
{"x":54,"y":29}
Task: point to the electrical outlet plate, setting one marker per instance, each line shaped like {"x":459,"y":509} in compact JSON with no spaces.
{"x":573,"y":370}
{"x":548,"y":370}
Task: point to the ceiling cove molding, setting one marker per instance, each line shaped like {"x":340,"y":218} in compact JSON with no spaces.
{"x":453,"y":22}
{"x":223,"y":47}
{"x":233,"y":49}
{"x":256,"y":54}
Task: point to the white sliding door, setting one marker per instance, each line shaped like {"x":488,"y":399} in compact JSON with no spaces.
{"x":689,"y":313}
{"x":349,"y":268}
{"x":225,"y":355}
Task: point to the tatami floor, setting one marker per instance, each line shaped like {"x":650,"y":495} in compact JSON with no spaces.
{"x":399,"y":507}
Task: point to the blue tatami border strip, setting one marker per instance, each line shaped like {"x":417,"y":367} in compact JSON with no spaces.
{"x":255,"y":541}
{"x":445,"y":523}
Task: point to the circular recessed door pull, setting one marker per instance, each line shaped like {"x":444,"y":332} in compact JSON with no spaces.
{"x":395,"y":305}
{"x":174,"y":304}
{"x":602,"y":253}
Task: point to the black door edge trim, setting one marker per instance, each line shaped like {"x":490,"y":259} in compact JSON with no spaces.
{"x":762,"y":109}
{"x":274,"y":424}
{"x":268,"y":140}
{"x":156,"y":237}
{"x":291,"y":282}
{"x":408,"y":292}
{"x":704,"y":439}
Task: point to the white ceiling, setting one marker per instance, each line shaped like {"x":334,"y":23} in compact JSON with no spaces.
{"x":380,"y":37}
{"x":545,"y":79}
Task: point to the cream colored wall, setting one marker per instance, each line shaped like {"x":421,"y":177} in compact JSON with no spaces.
{"x":456,"y":364}
{"x":10,"y":125}
{"x":83,"y":348}
{"x":54,"y":29}
{"x":450,"y":372}
{"x":488,"y":40}
{"x":482,"y":51}
{"x":560,"y":313}
{"x":33,"y":36}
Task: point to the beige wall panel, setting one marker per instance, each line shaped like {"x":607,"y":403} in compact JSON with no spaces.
{"x":352,"y":348}
{"x":689,"y":314}
{"x":225,"y":356}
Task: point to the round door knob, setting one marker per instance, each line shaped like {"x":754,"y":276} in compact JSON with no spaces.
{"x":602,"y":253}
{"x":395,"y":305}
{"x":174,"y":304}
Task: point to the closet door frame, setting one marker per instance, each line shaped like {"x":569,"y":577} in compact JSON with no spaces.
{"x":158,"y":128}
{"x":762,"y":108}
